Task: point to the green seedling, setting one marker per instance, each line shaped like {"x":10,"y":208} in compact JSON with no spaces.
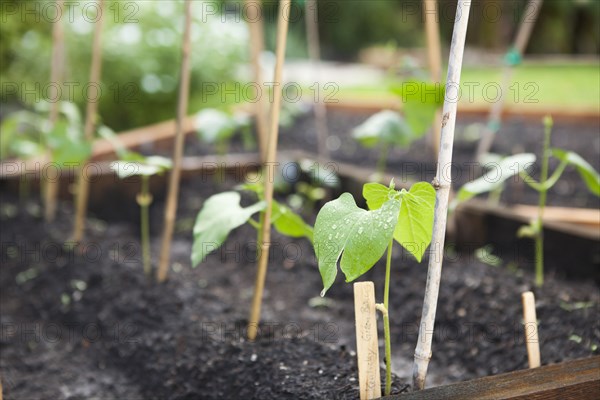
{"x":29,"y":134}
{"x":222,"y":213}
{"x":216,"y":127}
{"x":358,"y":238}
{"x":517,"y":164}
{"x":388,"y":128}
{"x":320,"y":180}
{"x":134,"y":164}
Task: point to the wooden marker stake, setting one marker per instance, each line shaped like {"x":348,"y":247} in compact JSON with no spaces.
{"x":367,"y":346}
{"x":531,"y":329}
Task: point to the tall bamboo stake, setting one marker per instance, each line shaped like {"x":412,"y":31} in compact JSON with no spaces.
{"x":519,"y":47}
{"x":434,"y":55}
{"x":56,"y":80}
{"x":442,"y":183}
{"x":182,"y":105}
{"x":255,"y":23}
{"x":83,"y":183}
{"x":314,"y":52}
{"x":263,"y":260}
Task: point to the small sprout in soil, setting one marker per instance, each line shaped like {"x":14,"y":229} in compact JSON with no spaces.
{"x":217,"y":127}
{"x":134,"y":164}
{"x":360,"y":237}
{"x":222,"y":213}
{"x":518,"y":164}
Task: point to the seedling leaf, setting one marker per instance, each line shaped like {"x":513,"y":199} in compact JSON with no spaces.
{"x":385,"y":126}
{"x":219,"y":215}
{"x":214,"y":126}
{"x":415,"y":222}
{"x":361,"y":235}
{"x":289,"y":223}
{"x":586,"y":171}
{"x":502,"y":171}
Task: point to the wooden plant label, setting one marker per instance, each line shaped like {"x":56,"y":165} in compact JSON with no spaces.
{"x":367,"y":347}
{"x":531,"y":329}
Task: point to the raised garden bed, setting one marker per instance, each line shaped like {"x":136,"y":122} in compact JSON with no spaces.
{"x":185,"y":339}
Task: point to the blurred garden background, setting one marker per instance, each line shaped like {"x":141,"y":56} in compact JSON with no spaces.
{"x":142,"y":45}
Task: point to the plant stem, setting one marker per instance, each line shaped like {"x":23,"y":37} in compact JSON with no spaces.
{"x":386,"y":322}
{"x":443,"y":184}
{"x":381,"y":162}
{"x":145,"y":224}
{"x":539,"y":237}
{"x":182,"y":105}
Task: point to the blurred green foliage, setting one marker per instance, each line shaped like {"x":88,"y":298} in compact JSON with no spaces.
{"x":142,"y":44}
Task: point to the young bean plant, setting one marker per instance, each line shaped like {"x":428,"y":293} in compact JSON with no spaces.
{"x":518,"y":164}
{"x":388,"y":128}
{"x":222,"y":213}
{"x":134,"y":164}
{"x":29,"y":134}
{"x":218,"y":128}
{"x":358,"y":238}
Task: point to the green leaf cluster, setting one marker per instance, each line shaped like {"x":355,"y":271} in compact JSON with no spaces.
{"x":222,"y":213}
{"x":360,"y":237}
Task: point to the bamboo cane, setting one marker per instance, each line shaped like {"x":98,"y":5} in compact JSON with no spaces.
{"x":256,"y":29}
{"x":434,"y":55}
{"x":83,"y":183}
{"x":282,"y":29}
{"x":314,"y":52}
{"x":182,"y":105}
{"x":519,"y":47}
{"x":442,"y":184}
{"x":56,"y":79}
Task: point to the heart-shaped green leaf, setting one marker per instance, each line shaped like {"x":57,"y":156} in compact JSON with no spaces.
{"x":586,"y":171}
{"x":361,"y":235}
{"x":219,"y":215}
{"x":415,"y":222}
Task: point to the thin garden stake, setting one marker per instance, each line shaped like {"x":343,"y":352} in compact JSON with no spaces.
{"x":263,"y":260}
{"x":56,"y":79}
{"x":314,"y":52}
{"x":512,"y":59}
{"x":83,"y":183}
{"x":442,"y":183}
{"x":182,"y":105}
{"x":531,"y":329}
{"x":434,"y":55}
{"x":254,"y":14}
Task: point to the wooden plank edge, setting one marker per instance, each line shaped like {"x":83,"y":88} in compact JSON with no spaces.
{"x":468,"y":109}
{"x":577,"y":379}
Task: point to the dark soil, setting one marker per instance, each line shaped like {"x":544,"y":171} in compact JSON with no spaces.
{"x":86,"y":323}
{"x":416,"y":163}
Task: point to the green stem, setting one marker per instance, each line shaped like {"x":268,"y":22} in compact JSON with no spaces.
{"x":539,"y":238}
{"x":386,"y":322}
{"x":145,"y":224}
{"x":259,"y":238}
{"x":381,"y":162}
